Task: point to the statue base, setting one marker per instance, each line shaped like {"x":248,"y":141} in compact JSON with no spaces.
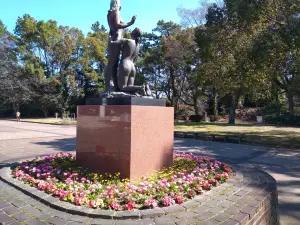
{"x":129,"y":100}
{"x":114,"y":94}
{"x":133,"y":140}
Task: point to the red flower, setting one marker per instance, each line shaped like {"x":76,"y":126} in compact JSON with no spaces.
{"x":191,"y":193}
{"x":130,"y":206}
{"x":179,"y":199}
{"x":227,"y":169}
{"x":199,"y":189}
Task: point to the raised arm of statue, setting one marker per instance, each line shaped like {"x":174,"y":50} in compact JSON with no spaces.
{"x":118,"y":22}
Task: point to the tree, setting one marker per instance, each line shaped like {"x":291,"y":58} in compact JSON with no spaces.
{"x":2,"y":29}
{"x":180,"y":57}
{"x":225,"y":42}
{"x":276,"y":49}
{"x":170,"y":85}
{"x":14,"y":86}
{"x":62,"y":60}
{"x":96,"y":27}
{"x":94,"y":59}
{"x":152,"y":63}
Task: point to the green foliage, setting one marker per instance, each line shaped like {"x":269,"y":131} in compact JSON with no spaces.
{"x":285,"y":120}
{"x":2,"y":29}
{"x":248,"y":46}
{"x":57,"y":66}
{"x":276,"y":49}
{"x":196,"y":118}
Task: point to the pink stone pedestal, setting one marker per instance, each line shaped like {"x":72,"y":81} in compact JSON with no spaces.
{"x":133,"y":140}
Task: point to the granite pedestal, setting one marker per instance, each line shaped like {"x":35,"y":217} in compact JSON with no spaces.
{"x":134,"y":139}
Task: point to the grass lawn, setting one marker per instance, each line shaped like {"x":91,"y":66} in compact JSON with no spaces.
{"x":49,"y":121}
{"x":288,"y":137}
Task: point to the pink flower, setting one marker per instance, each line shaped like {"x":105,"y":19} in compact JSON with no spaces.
{"x":114,"y":205}
{"x":167,"y":201}
{"x":199,"y":189}
{"x":150,"y":203}
{"x":206,"y":185}
{"x":79,"y":201}
{"x":93,"y":204}
{"x":42,"y":185}
{"x":212,"y":181}
{"x":225,"y":175}
{"x":19,"y":173}
{"x":51,"y":188}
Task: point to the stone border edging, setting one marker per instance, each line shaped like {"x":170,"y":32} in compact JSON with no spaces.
{"x":249,"y":196}
{"x":211,"y":137}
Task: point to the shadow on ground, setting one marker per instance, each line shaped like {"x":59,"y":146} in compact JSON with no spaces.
{"x":64,"y":145}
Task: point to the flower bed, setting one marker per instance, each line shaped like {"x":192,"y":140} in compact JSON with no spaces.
{"x":59,"y":176}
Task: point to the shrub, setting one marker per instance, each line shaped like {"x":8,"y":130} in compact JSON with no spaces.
{"x":297,"y":110}
{"x":196,"y":118}
{"x":214,"y":118}
{"x":284,"y":119}
{"x":271,"y":109}
{"x":183,"y":112}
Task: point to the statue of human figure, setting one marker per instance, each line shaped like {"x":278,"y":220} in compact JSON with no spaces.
{"x":127,"y":70}
{"x":116,"y":25}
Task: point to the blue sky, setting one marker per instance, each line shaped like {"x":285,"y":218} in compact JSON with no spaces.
{"x":82,"y":14}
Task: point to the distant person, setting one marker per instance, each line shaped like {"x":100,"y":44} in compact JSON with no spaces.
{"x":18,"y":114}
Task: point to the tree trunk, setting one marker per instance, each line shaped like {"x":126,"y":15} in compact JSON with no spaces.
{"x":291,"y":103}
{"x":45,"y":111}
{"x":215,"y":103}
{"x":173,"y":87}
{"x":275,"y":93}
{"x":277,"y":102}
{"x":16,"y":106}
{"x":232,"y":109}
{"x":196,"y":107}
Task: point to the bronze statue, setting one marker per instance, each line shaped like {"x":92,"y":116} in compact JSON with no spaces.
{"x":124,"y":82}
{"x":116,"y":25}
{"x":127,"y":71}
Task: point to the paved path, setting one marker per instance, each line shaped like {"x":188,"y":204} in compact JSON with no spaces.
{"x":19,"y":140}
